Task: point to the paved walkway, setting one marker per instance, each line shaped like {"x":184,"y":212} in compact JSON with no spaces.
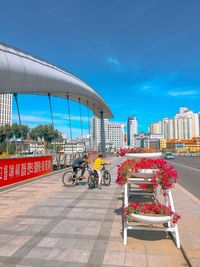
{"x":189,"y":208}
{"x":46,"y":224}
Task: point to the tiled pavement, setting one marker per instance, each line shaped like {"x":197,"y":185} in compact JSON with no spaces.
{"x":46,"y":224}
{"x":189,"y":208}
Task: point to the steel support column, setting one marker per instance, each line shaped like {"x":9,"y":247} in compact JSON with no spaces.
{"x":51,"y":110}
{"x":17,"y":104}
{"x":89,"y":130}
{"x":52,"y":122}
{"x":103,"y":143}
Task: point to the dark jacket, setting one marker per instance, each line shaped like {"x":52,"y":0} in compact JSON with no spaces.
{"x":78,"y":162}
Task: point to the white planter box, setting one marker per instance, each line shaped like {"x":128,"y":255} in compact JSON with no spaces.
{"x":147,"y":171}
{"x":136,"y":156}
{"x":151,"y":219}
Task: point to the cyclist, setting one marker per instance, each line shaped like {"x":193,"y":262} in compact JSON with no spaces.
{"x":98,"y":167}
{"x":79,"y":163}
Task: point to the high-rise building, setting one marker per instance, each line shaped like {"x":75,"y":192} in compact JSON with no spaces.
{"x":5,"y":109}
{"x":170,"y":129}
{"x":116,"y":134}
{"x":165,"y":128}
{"x":156,"y":127}
{"x":132,"y":129}
{"x":95,"y":132}
{"x":184,"y":125}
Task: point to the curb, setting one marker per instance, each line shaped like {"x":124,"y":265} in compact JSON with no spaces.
{"x":196,"y":201}
{"x":191,"y":196}
{"x":185,"y":256}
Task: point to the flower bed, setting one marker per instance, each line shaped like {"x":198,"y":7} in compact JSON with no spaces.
{"x":163,"y":175}
{"x":149,"y":188}
{"x":151,"y":209}
{"x":138,"y":156}
{"x":125,"y":170}
{"x":125,"y":151}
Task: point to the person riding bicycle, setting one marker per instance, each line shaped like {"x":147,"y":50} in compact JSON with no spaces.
{"x":79,"y":163}
{"x":98,"y":168}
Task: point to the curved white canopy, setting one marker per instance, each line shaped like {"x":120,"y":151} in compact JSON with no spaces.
{"x":22,"y":73}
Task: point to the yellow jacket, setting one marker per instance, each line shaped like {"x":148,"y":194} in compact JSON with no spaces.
{"x":97,"y":164}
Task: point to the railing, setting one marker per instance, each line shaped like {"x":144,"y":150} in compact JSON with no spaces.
{"x":61,"y":160}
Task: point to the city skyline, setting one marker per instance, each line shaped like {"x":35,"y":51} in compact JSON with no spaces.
{"x":135,"y":63}
{"x":185,"y":124}
{"x":87,"y":130}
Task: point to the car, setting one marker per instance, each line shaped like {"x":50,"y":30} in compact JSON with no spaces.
{"x":168,"y":155}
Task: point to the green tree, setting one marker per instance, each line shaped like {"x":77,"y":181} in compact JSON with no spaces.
{"x":2,"y":134}
{"x":44,"y":133}
{"x":19,"y":131}
{"x":2,"y":147}
{"x":8,"y":131}
{"x":11,"y":147}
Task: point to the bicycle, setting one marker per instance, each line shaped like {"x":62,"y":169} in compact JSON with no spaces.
{"x":94,"y":178}
{"x":71,"y":178}
{"x":106,"y":177}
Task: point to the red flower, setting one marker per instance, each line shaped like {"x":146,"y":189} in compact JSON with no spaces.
{"x":163,"y":174}
{"x":143,"y":186}
{"x":149,"y":208}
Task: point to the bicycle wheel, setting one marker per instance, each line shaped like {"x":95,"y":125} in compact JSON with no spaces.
{"x":68,"y":178}
{"x":92,"y":181}
{"x":106,"y":178}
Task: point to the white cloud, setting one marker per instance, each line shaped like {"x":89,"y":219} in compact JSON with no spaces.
{"x":76,"y":132}
{"x":61,"y":123}
{"x":113,"y":61}
{"x":146,"y":87}
{"x":58,"y":118}
{"x":58,"y":17}
{"x":171,"y":37}
{"x":64,"y":116}
{"x":115,"y":64}
{"x":31,"y":118}
{"x":160,"y":85}
{"x":153,"y":85}
{"x":182,"y":93}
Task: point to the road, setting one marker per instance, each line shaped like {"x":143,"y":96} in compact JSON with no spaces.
{"x":188,"y":173}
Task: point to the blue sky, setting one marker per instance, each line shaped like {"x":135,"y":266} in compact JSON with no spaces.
{"x":143,"y":56}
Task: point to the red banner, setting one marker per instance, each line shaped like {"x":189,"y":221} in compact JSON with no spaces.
{"x":15,"y":170}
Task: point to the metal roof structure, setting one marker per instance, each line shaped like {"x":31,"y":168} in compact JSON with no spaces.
{"x":22,"y":73}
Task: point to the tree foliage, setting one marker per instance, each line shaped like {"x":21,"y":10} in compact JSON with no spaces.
{"x":15,"y":132}
{"x":44,"y":132}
